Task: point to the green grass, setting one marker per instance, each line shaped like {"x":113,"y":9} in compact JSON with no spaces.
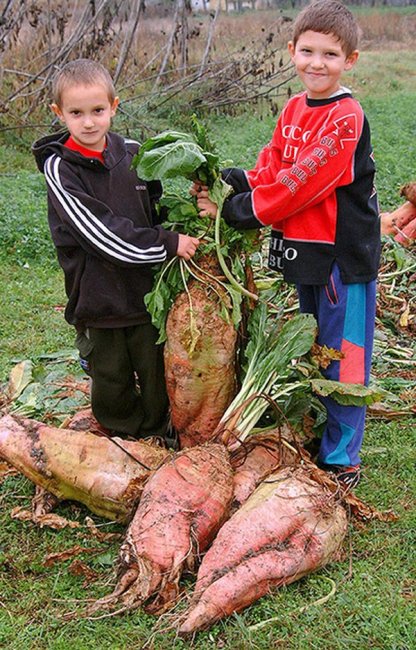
{"x":32,"y":321}
{"x":371,"y":608}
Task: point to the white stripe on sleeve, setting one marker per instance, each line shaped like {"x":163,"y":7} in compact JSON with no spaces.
{"x":92,"y":228}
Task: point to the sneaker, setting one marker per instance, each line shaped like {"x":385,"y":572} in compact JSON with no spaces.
{"x":348,"y":477}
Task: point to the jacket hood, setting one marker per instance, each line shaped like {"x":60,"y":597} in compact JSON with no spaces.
{"x":55,"y":143}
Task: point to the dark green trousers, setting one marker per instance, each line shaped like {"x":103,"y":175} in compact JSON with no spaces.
{"x":128,"y":393}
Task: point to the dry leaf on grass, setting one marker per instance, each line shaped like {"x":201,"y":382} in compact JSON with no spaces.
{"x":53,"y":558}
{"x":80,"y":569}
{"x":52,"y":520}
{"x":102,"y":537}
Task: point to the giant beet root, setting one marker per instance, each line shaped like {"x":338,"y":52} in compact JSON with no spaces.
{"x":182,"y":507}
{"x":290,"y":526}
{"x":81,"y":466}
{"x":256,"y":458}
{"x":199,"y":361}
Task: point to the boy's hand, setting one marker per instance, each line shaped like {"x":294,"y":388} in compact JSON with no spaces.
{"x":207,"y":208}
{"x":187,"y":246}
{"x":197,"y":187}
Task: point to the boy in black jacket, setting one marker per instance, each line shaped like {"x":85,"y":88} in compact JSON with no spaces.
{"x":106,"y":231}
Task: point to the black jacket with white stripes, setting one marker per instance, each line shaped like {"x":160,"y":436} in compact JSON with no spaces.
{"x":106,"y":230}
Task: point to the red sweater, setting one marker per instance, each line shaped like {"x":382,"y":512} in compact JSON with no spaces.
{"x":314,"y":184}
{"x":88,"y":153}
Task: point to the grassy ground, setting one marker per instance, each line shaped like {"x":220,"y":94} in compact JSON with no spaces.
{"x":371,"y":606}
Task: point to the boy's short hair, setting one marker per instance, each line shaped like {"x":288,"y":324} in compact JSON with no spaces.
{"x":328,"y":17}
{"x":81,"y":71}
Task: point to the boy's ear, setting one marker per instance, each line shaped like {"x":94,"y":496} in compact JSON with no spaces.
{"x":351,"y":59}
{"x":114,"y":106}
{"x":55,"y":109}
{"x":291,"y":49}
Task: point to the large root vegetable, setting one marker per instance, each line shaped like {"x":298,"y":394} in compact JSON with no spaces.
{"x":81,"y":466}
{"x":182,"y":507}
{"x":290,"y":526}
{"x":407,"y":234}
{"x":402,"y":222}
{"x":409,"y":192}
{"x":84,"y":420}
{"x":256,"y":458}
{"x":199,"y":361}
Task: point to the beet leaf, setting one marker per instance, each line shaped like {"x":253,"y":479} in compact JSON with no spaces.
{"x":170,"y":155}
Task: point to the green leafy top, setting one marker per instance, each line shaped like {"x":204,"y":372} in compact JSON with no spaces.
{"x":278,"y":365}
{"x":174,"y":154}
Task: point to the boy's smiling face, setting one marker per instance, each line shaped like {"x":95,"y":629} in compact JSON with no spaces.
{"x":86,"y":111}
{"x":320,"y":61}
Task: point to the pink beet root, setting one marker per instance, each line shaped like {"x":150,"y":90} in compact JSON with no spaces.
{"x":81,"y":466}
{"x":290,"y":526}
{"x":253,"y":461}
{"x":407,"y":235}
{"x":199,"y":360}
{"x":182,"y":507}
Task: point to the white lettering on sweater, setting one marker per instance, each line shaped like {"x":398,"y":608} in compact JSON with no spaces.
{"x":290,"y":184}
{"x":295,"y":132}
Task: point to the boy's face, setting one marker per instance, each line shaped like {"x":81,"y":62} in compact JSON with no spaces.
{"x":87,"y":111}
{"x":320,"y":61}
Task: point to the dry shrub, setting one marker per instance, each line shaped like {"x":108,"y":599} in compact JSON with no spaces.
{"x":161,"y":57}
{"x":388,"y":27}
{"x":189,"y":60}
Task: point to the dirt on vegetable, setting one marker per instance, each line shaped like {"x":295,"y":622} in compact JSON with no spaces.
{"x":182,"y":507}
{"x":256,"y":458}
{"x":81,"y":466}
{"x":200,"y":361}
{"x":290,"y":526}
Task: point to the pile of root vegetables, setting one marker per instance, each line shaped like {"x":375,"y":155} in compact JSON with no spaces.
{"x":244,"y":509}
{"x":245,"y":521}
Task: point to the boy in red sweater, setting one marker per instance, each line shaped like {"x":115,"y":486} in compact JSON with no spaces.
{"x":313,"y":184}
{"x":108,"y":239}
